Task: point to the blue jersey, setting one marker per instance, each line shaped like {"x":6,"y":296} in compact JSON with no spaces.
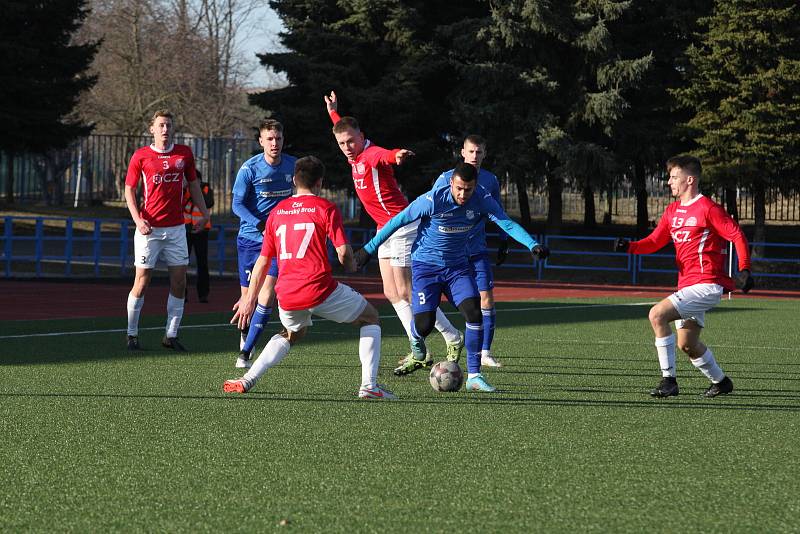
{"x":445,"y":226}
{"x":477,"y":236}
{"x":259,"y":186}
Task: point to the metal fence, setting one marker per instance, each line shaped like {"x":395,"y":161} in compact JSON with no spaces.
{"x":73,"y":247}
{"x":93,"y":170}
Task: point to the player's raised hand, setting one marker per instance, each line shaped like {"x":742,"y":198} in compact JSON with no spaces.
{"x":402,"y":155}
{"x":540,"y":252}
{"x":621,"y":244}
{"x":330,"y":102}
{"x":502,"y":252}
{"x":744,"y":281}
{"x":361,"y":258}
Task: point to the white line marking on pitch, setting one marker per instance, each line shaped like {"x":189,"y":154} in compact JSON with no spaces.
{"x":499,"y":310}
{"x":316,"y":319}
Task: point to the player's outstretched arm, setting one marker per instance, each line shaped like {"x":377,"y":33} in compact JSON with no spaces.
{"x":403,"y":155}
{"x":332,"y":105}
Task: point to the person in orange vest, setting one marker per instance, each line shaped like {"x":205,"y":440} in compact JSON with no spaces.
{"x":198,"y":240}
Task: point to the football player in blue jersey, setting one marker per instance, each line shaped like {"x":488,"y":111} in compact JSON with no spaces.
{"x":473,"y":152}
{"x":262,"y":182}
{"x":440,"y":261}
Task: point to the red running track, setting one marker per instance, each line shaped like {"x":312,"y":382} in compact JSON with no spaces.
{"x":49,"y":299}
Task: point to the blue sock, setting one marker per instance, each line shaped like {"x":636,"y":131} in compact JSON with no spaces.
{"x":488,"y":328}
{"x":472,"y":342}
{"x":257,"y":322}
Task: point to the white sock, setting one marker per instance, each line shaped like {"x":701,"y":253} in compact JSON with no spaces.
{"x":273,"y":353}
{"x":134,"y":309}
{"x":174,"y":315}
{"x":403,"y":310}
{"x":665,"y":346}
{"x":472,"y":375}
{"x":486,"y":352}
{"x":708,"y":366}
{"x":369,"y":352}
{"x":449,"y":332}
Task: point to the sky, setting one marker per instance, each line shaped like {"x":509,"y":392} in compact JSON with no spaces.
{"x":262,"y":37}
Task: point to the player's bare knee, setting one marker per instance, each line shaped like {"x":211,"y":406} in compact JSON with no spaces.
{"x":657,"y":316}
{"x":368,"y":316}
{"x":293,"y":337}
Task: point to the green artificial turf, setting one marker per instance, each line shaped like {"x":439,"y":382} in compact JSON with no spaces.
{"x":95,"y":438}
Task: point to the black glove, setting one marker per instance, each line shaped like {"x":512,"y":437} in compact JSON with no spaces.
{"x":744,"y":281}
{"x":502,"y":252}
{"x":361,"y":257}
{"x":621,"y":244}
{"x":261,"y":225}
{"x":540,"y":252}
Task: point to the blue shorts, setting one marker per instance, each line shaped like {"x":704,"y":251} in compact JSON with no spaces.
{"x":248,"y":252}
{"x":428,"y":282}
{"x":482,"y":268}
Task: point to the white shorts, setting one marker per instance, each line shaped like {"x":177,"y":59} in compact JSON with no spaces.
{"x":168,"y":242}
{"x":398,"y":247}
{"x":344,"y":305}
{"x":694,"y":301}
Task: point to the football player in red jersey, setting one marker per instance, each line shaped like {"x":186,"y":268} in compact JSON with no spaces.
{"x":376,"y":187}
{"x":700,"y":230}
{"x":162,"y":167}
{"x":296,"y":233}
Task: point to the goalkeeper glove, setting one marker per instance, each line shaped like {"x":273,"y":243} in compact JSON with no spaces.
{"x":361,"y":258}
{"x":540,"y":252}
{"x":621,"y":244}
{"x":502,"y":252}
{"x":744,"y":281}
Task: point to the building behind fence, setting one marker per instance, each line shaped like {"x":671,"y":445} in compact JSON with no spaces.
{"x":92,"y":171}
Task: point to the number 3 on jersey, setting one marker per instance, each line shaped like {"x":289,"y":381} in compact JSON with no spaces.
{"x":298,"y":227}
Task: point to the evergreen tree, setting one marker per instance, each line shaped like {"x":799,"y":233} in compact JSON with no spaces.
{"x":743,"y":89}
{"x":42,"y":77}
{"x":573,"y":54}
{"x":646,"y":135}
{"x":381,"y":59}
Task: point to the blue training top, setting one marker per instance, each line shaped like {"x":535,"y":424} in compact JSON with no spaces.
{"x":445,"y":226}
{"x":477,"y":236}
{"x":259,"y":186}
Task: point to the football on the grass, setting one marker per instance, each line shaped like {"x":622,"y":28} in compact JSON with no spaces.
{"x":446,"y":376}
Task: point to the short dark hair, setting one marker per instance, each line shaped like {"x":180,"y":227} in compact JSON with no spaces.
{"x":344,"y":123}
{"x":688,"y":164}
{"x":270,"y":124}
{"x":475,"y":139}
{"x":465,"y":171}
{"x":308,"y":170}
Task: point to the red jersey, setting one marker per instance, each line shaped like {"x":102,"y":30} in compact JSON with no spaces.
{"x":296,"y":233}
{"x":374,"y":181}
{"x":163,"y":173}
{"x":700,"y":232}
